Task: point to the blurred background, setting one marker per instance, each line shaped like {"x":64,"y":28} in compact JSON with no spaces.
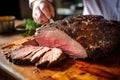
{"x":20,"y":8}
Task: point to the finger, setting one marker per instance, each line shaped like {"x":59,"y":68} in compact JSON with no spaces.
{"x":45,"y":9}
{"x":51,"y":10}
{"x":39,"y":21}
{"x":35,"y":14}
{"x":39,"y":17}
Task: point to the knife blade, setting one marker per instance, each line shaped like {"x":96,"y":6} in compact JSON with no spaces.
{"x":50,"y":21}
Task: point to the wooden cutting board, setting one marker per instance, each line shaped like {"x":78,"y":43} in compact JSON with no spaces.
{"x":69,"y":69}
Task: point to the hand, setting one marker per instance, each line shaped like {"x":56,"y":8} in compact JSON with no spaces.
{"x":42,"y":11}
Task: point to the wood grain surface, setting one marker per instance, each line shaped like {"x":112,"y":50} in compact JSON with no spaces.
{"x":69,"y":69}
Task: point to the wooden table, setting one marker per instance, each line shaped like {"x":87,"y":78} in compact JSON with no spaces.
{"x":4,"y":39}
{"x":108,"y":69}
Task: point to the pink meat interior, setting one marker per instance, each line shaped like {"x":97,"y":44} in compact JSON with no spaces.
{"x":53,"y":37}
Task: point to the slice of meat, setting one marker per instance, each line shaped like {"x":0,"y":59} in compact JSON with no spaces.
{"x":32,"y":53}
{"x":39,"y":54}
{"x":17,"y":56}
{"x":30,"y":42}
{"x":53,"y":37}
{"x":22,"y":52}
{"x":51,"y":57}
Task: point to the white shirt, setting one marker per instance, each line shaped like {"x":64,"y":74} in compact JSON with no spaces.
{"x":109,"y":9}
{"x":30,"y":2}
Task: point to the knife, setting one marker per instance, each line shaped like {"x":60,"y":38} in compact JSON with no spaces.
{"x":51,"y":20}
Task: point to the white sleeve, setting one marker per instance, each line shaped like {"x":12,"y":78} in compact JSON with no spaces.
{"x":30,"y":2}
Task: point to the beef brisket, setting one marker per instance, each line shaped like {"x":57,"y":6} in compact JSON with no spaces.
{"x":97,"y":37}
{"x":78,"y":36}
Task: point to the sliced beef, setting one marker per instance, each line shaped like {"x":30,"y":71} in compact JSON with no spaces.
{"x":28,"y":57}
{"x":22,"y":52}
{"x":31,"y":42}
{"x":17,"y":56}
{"x":51,"y":57}
{"x":39,"y":54}
{"x":29,"y":54}
{"x":81,"y":36}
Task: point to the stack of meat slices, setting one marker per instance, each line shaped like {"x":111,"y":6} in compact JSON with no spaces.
{"x":38,"y":55}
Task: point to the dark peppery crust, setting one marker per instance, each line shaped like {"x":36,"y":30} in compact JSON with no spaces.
{"x":99,"y":37}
